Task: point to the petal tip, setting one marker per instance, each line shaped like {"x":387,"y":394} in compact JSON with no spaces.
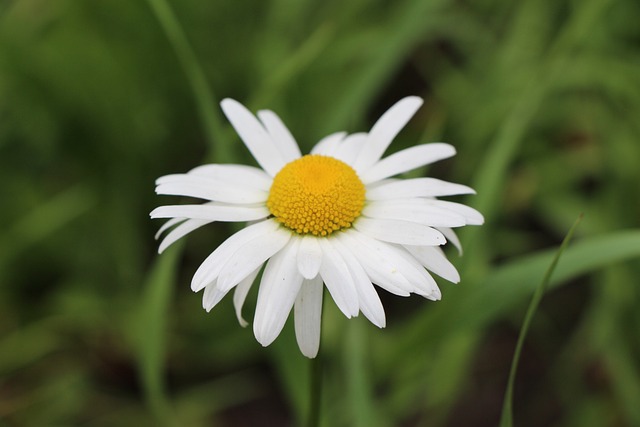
{"x":262,"y":337}
{"x":228,"y":102}
{"x":413,"y":99}
{"x":196,"y":285}
{"x":309,"y":355}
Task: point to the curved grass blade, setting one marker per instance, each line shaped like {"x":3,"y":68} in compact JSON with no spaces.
{"x":507,"y":408}
{"x":43,"y":221}
{"x":205,"y":100}
{"x":151,"y":333}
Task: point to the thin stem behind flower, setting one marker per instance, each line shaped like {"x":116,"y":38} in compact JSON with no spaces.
{"x":315,"y":396}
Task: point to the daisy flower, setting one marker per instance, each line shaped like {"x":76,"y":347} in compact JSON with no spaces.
{"x":335,"y":217}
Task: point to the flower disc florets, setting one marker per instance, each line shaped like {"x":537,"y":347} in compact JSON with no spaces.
{"x":316,"y":195}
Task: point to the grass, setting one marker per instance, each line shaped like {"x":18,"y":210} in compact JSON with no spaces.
{"x":540,"y":98}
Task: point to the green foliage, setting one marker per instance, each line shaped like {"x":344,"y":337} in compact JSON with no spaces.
{"x":97,"y":99}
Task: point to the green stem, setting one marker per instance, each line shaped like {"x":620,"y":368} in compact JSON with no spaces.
{"x":315,"y":396}
{"x":151,"y":336}
{"x":507,"y":409}
{"x":363,"y":413}
{"x":204,"y":97}
{"x":316,"y":374}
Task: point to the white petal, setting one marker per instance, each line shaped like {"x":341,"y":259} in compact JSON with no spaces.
{"x":279,"y":288}
{"x":309,"y":257}
{"x":414,"y":210}
{"x":472,"y":216}
{"x":451,"y":237}
{"x":308,"y":315}
{"x":399,"y":262}
{"x":168,"y":224}
{"x":336,"y":276}
{"x":254,"y":136}
{"x":402,"y":232}
{"x":329,"y":144}
{"x":379,"y":269}
{"x":213,"y":212}
{"x":385,"y":130}
{"x":234,"y":174}
{"x":432,"y":258}
{"x":212,"y":296}
{"x":280,"y":135}
{"x":348,"y":150}
{"x":436,"y":295}
{"x":250,"y":256}
{"x":423,"y":282}
{"x":210,"y":268}
{"x":240,"y":294}
{"x":181,"y":231}
{"x":404,"y":262}
{"x":417,"y":187}
{"x":408,"y":159}
{"x":368,"y":298}
{"x":210,"y":189}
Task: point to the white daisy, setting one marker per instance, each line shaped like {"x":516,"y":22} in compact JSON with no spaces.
{"x":332,"y":218}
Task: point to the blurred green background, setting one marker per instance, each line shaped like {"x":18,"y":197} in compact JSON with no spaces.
{"x":98,"y":98}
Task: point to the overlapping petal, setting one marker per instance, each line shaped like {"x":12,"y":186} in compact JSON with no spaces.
{"x":399,"y":231}
{"x":280,"y":135}
{"x":279,"y":289}
{"x":414,"y":210}
{"x":433,"y":259}
{"x":210,"y":189}
{"x":240,"y":294}
{"x":309,"y":257}
{"x":254,"y":136}
{"x":329,"y":144}
{"x":385,"y":130}
{"x":212,"y":211}
{"x":233,"y":174}
{"x":268,"y":231}
{"x":407,"y":160}
{"x":336,"y":276}
{"x":416,"y":187}
{"x":350,"y":147}
{"x":368,"y":298}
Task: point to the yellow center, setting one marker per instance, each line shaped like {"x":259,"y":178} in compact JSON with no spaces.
{"x":316,"y":195}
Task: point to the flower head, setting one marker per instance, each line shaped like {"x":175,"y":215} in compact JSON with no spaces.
{"x":333,"y":218}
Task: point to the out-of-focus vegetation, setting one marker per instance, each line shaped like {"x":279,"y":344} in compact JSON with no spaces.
{"x":540,"y":97}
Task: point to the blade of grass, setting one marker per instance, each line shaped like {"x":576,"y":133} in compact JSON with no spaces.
{"x":43,"y":221}
{"x":309,"y":51}
{"x":204,"y":400}
{"x":407,"y":28}
{"x":507,"y":408}
{"x":27,"y":345}
{"x":359,"y":385}
{"x":614,"y":324}
{"x":151,"y":337}
{"x":202,"y":92}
